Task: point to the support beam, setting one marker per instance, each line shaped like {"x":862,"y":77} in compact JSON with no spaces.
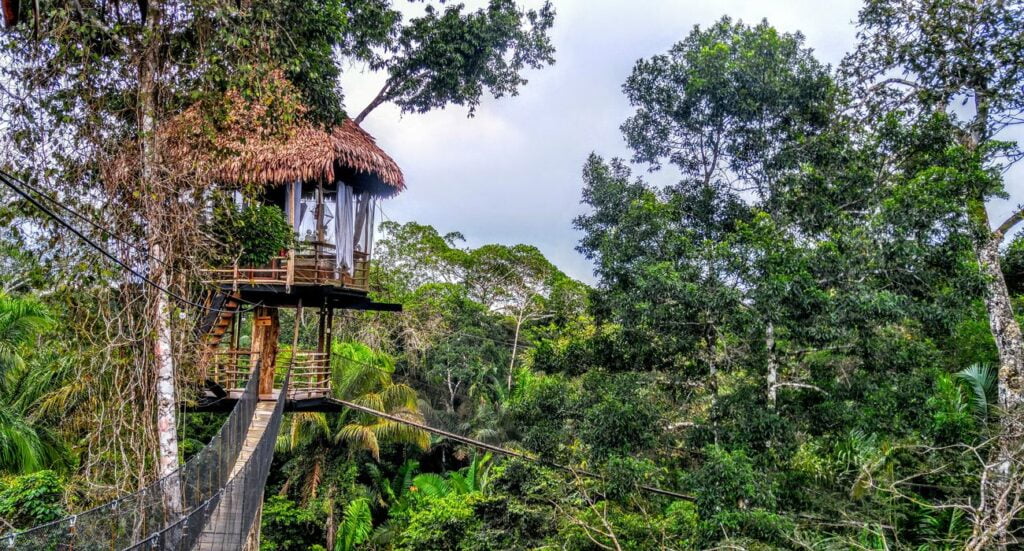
{"x":266,"y":327}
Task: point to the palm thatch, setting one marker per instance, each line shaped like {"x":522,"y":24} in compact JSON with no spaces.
{"x":250,"y":143}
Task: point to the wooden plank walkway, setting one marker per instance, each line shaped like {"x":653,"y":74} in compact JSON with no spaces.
{"x":223,"y":531}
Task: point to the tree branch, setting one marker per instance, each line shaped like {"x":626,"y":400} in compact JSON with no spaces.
{"x":1010,"y":222}
{"x":800,"y":385}
{"x":380,"y":98}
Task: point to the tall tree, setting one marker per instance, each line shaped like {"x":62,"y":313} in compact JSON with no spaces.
{"x":83,"y":80}
{"x":731,"y":107}
{"x":962,"y":59}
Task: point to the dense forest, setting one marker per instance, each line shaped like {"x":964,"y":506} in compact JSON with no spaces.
{"x":808,"y":341}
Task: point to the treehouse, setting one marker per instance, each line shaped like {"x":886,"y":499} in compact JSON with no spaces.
{"x":322,"y":185}
{"x":327,"y":185}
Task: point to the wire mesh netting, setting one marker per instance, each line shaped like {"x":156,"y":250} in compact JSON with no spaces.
{"x":230,"y":524}
{"x":168,"y":513}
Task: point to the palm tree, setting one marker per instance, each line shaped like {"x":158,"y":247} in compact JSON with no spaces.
{"x":21,"y":321}
{"x":363,"y":377}
{"x":980,"y":382}
{"x":26,"y":444}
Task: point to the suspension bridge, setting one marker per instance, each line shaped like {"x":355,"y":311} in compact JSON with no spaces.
{"x":213,"y":501}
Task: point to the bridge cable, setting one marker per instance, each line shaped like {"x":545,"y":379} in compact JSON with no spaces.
{"x":502,"y":451}
{"x":9,"y":182}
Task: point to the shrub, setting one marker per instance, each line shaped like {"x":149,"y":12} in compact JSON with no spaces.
{"x":441,"y":523}
{"x":622,"y":416}
{"x":285,"y":525}
{"x":32,"y":499}
{"x":727,"y":481}
{"x":753,"y":527}
{"x":255,"y":233}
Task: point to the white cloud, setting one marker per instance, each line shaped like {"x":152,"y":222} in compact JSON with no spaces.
{"x":512,"y":173}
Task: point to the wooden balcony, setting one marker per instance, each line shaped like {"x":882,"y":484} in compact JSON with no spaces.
{"x":311,"y":372}
{"x":309,"y":264}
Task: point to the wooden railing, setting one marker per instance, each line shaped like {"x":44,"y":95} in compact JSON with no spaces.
{"x":309,"y":264}
{"x":311,"y":371}
{"x":230,"y":368}
{"x":311,"y":375}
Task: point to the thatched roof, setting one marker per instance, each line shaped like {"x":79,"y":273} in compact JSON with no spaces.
{"x":243,"y":149}
{"x":312,"y":155}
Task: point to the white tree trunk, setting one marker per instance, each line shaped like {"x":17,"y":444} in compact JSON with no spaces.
{"x":773,"y":366}
{"x":166,"y":395}
{"x":515,"y":348}
{"x":163,"y":358}
{"x":999,"y":478}
{"x":1004,"y":326}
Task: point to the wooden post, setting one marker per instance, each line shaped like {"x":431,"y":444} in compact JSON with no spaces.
{"x":321,"y":329}
{"x":295,"y":336}
{"x":322,"y":346}
{"x":266,"y":327}
{"x":328,"y":338}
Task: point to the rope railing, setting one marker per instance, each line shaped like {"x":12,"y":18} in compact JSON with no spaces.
{"x":162,"y":509}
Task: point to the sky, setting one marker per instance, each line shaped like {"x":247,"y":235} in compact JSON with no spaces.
{"x":512,"y":173}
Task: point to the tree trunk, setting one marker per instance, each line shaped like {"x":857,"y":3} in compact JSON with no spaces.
{"x":998,"y":494}
{"x":266,"y":330}
{"x":515,"y":347}
{"x":773,"y":366}
{"x":163,"y":358}
{"x":996,"y":514}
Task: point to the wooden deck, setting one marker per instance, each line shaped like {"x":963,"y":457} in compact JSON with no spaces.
{"x":313,"y":265}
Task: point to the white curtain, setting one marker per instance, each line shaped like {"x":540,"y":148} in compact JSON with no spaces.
{"x":364,"y":222}
{"x":293,"y":204}
{"x":345,"y":232}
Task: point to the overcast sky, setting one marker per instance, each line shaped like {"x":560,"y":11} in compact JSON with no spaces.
{"x":511,"y":174}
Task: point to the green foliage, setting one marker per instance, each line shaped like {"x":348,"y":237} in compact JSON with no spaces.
{"x":440,"y":523}
{"x":980,"y":382}
{"x":749,"y":527}
{"x":451,"y":56}
{"x":1013,"y":265}
{"x":253,"y":234}
{"x":364,"y":377}
{"x":540,"y":412}
{"x":21,"y":321}
{"x":32,"y":499}
{"x":727,"y":481}
{"x":356,"y":526}
{"x":778,"y":332}
{"x":952,"y":420}
{"x":286,"y":526}
{"x":619,"y":415}
{"x":26,"y":380}
{"x":756,"y":91}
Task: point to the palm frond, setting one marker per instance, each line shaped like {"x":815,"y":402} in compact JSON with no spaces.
{"x":360,"y":437}
{"x":980,"y":380}
{"x":431,"y":485}
{"x":356,"y":526}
